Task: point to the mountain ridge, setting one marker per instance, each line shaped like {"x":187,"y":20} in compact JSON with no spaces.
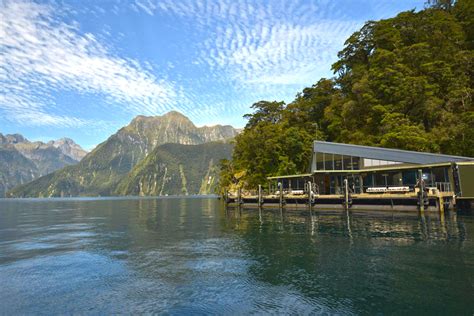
{"x":100,"y":171}
{"x":22,"y":160}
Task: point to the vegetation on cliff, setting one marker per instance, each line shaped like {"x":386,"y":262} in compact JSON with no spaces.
{"x":175,"y":169}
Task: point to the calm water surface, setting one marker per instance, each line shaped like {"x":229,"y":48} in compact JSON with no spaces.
{"x":190,"y":256}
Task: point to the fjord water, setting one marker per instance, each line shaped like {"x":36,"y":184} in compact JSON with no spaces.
{"x":191,"y":256}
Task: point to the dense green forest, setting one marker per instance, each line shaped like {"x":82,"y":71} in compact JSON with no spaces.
{"x":404,"y":82}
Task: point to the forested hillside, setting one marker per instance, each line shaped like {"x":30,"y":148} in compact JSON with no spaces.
{"x":405,"y":82}
{"x":176,"y":169}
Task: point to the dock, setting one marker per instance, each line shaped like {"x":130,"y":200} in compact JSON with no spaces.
{"x":346,"y":176}
{"x":439,"y":201}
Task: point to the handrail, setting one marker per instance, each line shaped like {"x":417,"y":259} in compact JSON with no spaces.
{"x":443,"y":186}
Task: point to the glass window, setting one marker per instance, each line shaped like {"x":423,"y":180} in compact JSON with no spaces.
{"x":395,"y":179}
{"x":338,"y":162}
{"x":336,"y":185}
{"x":319,"y":179}
{"x":367,"y":180}
{"x":328,"y":162}
{"x":409,"y":177}
{"x":346,"y":163}
{"x":319,"y":161}
{"x":377,"y":163}
{"x":355,"y":163}
{"x":428,"y":177}
{"x":380,"y":180}
{"x":369,"y":162}
{"x":440,"y":174}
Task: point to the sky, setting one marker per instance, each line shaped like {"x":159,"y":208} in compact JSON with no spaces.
{"x":83,"y":69}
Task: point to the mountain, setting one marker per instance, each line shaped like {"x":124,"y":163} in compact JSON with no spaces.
{"x":175,"y":169}
{"x":173,"y":127}
{"x":15,"y":169}
{"x":69,"y":148}
{"x":11,"y":139}
{"x":22,"y":161}
{"x":46,"y":157}
{"x":102,"y":169}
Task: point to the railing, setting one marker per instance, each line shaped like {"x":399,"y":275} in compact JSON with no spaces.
{"x":388,"y":189}
{"x":275,"y":191}
{"x":443,"y":186}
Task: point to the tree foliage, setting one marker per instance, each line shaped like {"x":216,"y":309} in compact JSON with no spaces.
{"x":405,"y":82}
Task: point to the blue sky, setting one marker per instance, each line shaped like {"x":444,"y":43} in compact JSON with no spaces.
{"x":83,"y":69}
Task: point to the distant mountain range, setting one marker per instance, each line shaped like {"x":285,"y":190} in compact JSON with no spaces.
{"x":130,"y":161}
{"x":22,"y":161}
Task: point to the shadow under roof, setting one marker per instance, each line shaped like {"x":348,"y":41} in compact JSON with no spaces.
{"x":388,"y":154}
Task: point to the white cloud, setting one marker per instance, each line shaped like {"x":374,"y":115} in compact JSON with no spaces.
{"x":279,"y":53}
{"x":259,"y":46}
{"x":41,"y":53}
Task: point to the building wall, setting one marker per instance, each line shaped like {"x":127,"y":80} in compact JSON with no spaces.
{"x":466,"y":173}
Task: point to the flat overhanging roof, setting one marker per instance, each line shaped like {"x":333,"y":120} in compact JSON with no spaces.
{"x":387,"y":154}
{"x":291,"y":176}
{"x":373,"y":169}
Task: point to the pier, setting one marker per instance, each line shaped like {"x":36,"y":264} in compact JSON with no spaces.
{"x":433,"y":200}
{"x":343,"y":176}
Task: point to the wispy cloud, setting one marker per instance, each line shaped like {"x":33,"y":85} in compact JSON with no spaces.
{"x":266,"y":43}
{"x":219,"y":56}
{"x":41,"y":53}
{"x":279,"y":53}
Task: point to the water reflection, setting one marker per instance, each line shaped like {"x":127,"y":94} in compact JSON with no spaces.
{"x":406,"y":227}
{"x":376,"y":262}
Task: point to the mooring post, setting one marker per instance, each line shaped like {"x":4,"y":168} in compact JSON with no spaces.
{"x":346,"y":193}
{"x":280,"y":186}
{"x":440,"y":202}
{"x":421,"y":193}
{"x":259,"y":202}
{"x":310,"y":193}
{"x":441,"y":211}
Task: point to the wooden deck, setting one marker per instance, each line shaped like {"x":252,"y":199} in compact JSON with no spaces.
{"x":366,"y":201}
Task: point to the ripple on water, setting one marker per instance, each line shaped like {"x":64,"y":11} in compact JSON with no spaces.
{"x":189,"y":256}
{"x":54,"y":279}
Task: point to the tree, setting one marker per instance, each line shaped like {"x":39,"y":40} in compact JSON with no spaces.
{"x":405,"y":82}
{"x":440,"y":4}
{"x":265,"y":112}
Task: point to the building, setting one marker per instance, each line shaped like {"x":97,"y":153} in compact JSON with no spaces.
{"x":371,"y":170}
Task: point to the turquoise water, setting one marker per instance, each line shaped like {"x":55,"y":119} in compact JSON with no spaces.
{"x":191,"y":256}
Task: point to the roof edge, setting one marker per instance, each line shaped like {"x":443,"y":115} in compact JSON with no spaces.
{"x":392,"y":150}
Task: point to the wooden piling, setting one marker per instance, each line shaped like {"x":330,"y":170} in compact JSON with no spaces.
{"x":310,"y":193}
{"x":421,"y":193}
{"x":280,"y":185}
{"x":346,"y":193}
{"x":260,"y":199}
{"x":441,"y":203}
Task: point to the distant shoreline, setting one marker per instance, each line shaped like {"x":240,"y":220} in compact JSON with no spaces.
{"x":128,"y":197}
